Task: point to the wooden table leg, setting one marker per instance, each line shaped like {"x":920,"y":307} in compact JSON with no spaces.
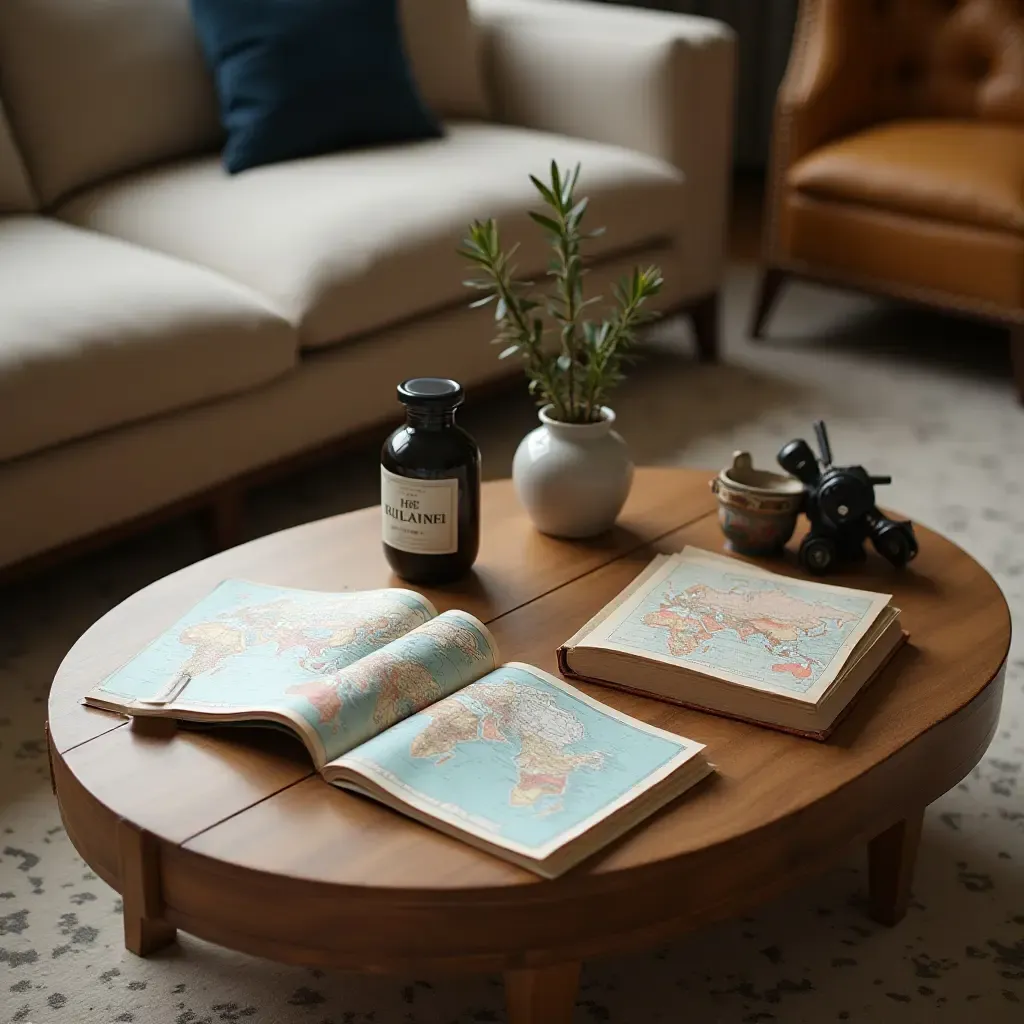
{"x":144,"y":930}
{"x":891,"y":858}
{"x":544,"y":995}
{"x":144,"y":937}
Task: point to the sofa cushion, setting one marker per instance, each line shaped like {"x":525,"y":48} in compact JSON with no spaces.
{"x":299,"y":78}
{"x":96,"y":333}
{"x":167,"y":458}
{"x":95,"y":87}
{"x":960,"y":172}
{"x":98,"y":87}
{"x":15,"y":191}
{"x":347,"y":243}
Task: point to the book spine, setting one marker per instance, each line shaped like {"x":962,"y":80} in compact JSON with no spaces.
{"x":563,"y":662}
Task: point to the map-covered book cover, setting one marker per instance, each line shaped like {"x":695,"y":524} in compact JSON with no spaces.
{"x":737,"y":638}
{"x":414,"y":709}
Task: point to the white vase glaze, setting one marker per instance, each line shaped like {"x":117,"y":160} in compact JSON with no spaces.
{"x":573,"y":478}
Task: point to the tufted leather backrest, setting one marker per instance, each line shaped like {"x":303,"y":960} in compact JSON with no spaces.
{"x":944,"y":58}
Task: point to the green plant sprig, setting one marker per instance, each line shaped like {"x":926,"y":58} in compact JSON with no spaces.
{"x":575,"y":376}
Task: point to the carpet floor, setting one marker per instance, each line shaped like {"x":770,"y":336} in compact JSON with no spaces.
{"x":925,"y":398}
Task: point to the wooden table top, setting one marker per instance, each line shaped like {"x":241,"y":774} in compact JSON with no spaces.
{"x":258,"y":853}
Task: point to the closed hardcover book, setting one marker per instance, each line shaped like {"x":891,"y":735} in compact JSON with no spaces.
{"x":727,"y":637}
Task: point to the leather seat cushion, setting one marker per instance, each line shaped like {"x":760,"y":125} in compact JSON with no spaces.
{"x":953,"y":265}
{"x":96,"y":333}
{"x":347,"y":243}
{"x":960,"y":172}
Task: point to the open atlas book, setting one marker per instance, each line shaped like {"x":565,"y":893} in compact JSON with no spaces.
{"x":415,"y":710}
{"x":724,"y":636}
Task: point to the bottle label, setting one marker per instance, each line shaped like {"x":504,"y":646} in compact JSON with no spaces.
{"x":420,"y":516}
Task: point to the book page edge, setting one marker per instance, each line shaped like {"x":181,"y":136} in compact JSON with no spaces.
{"x":204,"y":715}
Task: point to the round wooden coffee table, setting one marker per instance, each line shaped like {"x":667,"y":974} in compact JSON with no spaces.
{"x":232,"y":837}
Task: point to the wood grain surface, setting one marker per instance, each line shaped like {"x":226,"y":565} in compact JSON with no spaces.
{"x":244,"y":845}
{"x":516,"y":565}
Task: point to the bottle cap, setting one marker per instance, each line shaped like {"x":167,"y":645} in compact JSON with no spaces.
{"x":432,"y":392}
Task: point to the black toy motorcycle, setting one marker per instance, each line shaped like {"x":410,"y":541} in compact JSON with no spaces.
{"x":840,"y":504}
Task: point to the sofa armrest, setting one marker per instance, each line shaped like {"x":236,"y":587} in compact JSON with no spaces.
{"x":652,"y":81}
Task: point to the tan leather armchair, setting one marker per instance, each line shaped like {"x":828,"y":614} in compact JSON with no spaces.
{"x":898,"y":157}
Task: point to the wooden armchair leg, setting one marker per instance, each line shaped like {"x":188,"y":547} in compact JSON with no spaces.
{"x":771,"y":284}
{"x":1017,"y":358}
{"x":704,"y":317}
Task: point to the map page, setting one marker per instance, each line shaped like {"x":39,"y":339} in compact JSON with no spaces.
{"x":726,"y":619}
{"x":248,"y":648}
{"x":409,"y":674}
{"x":520,"y":760}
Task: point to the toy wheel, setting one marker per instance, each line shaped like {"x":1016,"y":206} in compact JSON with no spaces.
{"x":818,"y":554}
{"x":896,"y":543}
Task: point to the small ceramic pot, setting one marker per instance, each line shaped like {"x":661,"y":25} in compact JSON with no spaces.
{"x":573,"y":478}
{"x":757,"y":510}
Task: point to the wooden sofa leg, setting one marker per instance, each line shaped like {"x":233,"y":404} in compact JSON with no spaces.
{"x":704,"y":318}
{"x":771,"y":284}
{"x":1017,"y":358}
{"x":225,"y":518}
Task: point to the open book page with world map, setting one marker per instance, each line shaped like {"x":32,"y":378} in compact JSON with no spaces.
{"x":411,"y":708}
{"x":520,"y":760}
{"x":739,"y":623}
{"x":336,"y":668}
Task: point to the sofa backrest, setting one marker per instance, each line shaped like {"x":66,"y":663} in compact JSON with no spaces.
{"x":95,"y":88}
{"x":15,"y":191}
{"x":446,"y":54}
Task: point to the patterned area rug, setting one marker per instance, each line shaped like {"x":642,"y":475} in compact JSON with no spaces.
{"x":925,"y":398}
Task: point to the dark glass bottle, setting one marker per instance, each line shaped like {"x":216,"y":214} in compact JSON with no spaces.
{"x":430,"y":486}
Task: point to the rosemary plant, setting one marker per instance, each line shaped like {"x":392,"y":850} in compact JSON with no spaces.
{"x":574,"y":375}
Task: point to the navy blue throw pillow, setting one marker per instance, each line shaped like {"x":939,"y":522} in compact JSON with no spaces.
{"x":298,"y":78}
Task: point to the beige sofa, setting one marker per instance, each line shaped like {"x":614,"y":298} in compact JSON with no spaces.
{"x":167,"y":331}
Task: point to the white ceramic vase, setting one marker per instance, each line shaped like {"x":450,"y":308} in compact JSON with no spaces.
{"x":573,"y":478}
